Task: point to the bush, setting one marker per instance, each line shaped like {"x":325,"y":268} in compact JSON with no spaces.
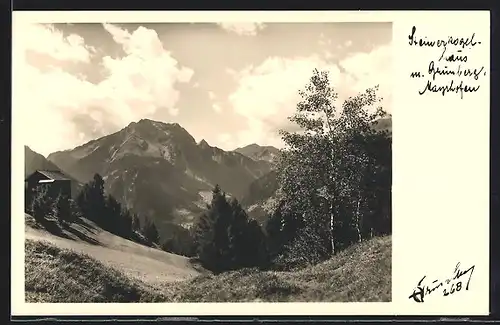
{"x":273,"y":288}
{"x":308,"y":248}
{"x":75,"y":212}
{"x":61,"y":209}
{"x":42,"y":204}
{"x":181,"y":243}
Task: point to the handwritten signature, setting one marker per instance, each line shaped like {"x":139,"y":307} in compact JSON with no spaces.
{"x":449,"y":286}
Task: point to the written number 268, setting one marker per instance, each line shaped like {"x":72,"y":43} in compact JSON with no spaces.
{"x":453,"y":288}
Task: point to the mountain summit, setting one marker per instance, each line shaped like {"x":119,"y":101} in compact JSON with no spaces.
{"x":158,"y":170}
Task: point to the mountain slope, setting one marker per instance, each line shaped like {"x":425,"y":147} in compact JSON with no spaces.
{"x":259,"y":200}
{"x":360,"y":273}
{"x":59,"y":275}
{"x":158,"y":170}
{"x":147,"y":264}
{"x":34,"y":161}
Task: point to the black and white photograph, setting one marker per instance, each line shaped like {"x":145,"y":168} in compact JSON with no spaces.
{"x":207,"y":162}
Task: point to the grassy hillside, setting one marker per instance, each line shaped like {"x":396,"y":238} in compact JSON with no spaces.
{"x":61,"y":275}
{"x":135,"y":261}
{"x":361,"y":273}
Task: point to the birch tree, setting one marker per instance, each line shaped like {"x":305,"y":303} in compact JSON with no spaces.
{"x":323,"y":168}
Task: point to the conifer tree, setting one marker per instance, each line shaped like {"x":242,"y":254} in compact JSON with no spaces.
{"x":92,"y":201}
{"x":111,"y":220}
{"x":150,"y":231}
{"x":126,"y":223}
{"x":136,"y":223}
{"x":212,"y":238}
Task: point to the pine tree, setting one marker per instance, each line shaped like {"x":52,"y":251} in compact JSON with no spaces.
{"x":150,"y":231}
{"x":259,"y":253}
{"x":136,"y":223}
{"x":92,"y":201}
{"x":204,"y":235}
{"x":82,"y":201}
{"x":238,"y":246}
{"x":126,"y":223}
{"x":112,"y":220}
{"x":211,"y":236}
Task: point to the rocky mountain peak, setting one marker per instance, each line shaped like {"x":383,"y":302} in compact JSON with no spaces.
{"x":203,"y":144}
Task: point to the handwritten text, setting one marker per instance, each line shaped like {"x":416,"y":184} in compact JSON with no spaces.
{"x":447,"y":287}
{"x":451,"y":71}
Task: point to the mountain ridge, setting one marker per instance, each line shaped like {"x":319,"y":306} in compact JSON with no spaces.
{"x":158,"y":170}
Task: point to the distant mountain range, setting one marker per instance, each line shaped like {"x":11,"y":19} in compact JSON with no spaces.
{"x":158,"y":170}
{"x":256,"y":152}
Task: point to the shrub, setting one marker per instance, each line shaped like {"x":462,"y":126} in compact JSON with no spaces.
{"x":272,"y":287}
{"x":42,"y":204}
{"x":61,"y":209}
{"x":308,"y":248}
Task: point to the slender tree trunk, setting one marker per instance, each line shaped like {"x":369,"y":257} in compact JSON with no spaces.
{"x":332,"y":168}
{"x":332,"y":220}
{"x":358,"y":228}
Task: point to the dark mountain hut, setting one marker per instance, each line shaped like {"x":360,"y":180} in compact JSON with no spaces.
{"x":55,"y":182}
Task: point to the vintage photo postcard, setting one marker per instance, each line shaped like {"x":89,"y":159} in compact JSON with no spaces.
{"x":295,"y":163}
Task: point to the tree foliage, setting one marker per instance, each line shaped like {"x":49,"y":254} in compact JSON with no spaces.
{"x":226,"y":238}
{"x":334,"y":174}
{"x":180,"y":242}
{"x":62,"y":209}
{"x":42,"y":204}
{"x":150,"y":231}
{"x":105,"y":210}
{"x":92,"y":201}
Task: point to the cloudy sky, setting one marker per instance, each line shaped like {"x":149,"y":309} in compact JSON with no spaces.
{"x":230,"y":84}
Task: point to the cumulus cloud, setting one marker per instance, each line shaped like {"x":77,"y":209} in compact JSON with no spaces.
{"x":246,"y":29}
{"x":364,"y":70}
{"x":140,"y":83}
{"x":47,"y":40}
{"x":326,"y":45}
{"x":267,"y":94}
{"x":324,"y":41}
{"x":217,"y":108}
{"x":174,"y":111}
